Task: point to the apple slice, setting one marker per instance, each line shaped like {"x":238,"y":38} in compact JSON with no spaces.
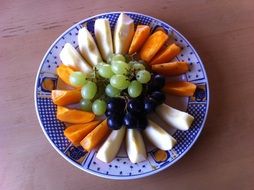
{"x":88,"y":47}
{"x":123,"y":34}
{"x":110,"y":147}
{"x":175,"y":118}
{"x":70,"y":57}
{"x":103,"y":38}
{"x":159,"y":137}
{"x":135,"y":146}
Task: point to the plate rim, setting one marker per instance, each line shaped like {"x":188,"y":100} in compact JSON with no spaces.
{"x":108,"y":176}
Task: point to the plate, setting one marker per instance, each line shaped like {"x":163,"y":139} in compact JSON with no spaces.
{"x":121,"y":167}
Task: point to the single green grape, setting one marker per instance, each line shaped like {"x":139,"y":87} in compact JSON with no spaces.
{"x":118,"y":57}
{"x":138,"y":67}
{"x":99,"y":107}
{"x":105,"y":71}
{"x":89,"y":90}
{"x":86,"y":105}
{"x":135,"y":89}
{"x":112,"y":91}
{"x":143,"y":76}
{"x":77,"y":79}
{"x":120,"y":67}
{"x":120,"y":82}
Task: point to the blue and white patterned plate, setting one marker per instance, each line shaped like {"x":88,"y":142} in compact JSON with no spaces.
{"x":120,"y":167}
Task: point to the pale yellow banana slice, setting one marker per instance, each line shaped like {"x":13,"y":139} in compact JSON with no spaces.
{"x":175,"y":118}
{"x":108,"y":151}
{"x":135,"y":146}
{"x":103,"y":38}
{"x":123,"y":34}
{"x":88,"y":47}
{"x":159,"y":137}
{"x":70,"y":57}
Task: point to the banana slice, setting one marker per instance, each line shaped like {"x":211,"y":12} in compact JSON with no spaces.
{"x":176,"y":118}
{"x":88,"y":48}
{"x":159,"y":137}
{"x":123,"y":34}
{"x":70,"y":57}
{"x":103,"y":38}
{"x":110,"y":147}
{"x":135,"y":146}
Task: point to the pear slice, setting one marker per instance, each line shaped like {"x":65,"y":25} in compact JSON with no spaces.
{"x":159,"y":137}
{"x":88,"y":47}
{"x":135,"y":146}
{"x":70,"y":57}
{"x":175,"y":118}
{"x":123,"y":34}
{"x":103,"y":38}
{"x":108,"y":151}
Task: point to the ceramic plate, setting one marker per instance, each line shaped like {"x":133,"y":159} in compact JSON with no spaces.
{"x":121,"y":167}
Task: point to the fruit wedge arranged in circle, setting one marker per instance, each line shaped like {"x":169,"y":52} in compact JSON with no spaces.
{"x":73,"y":115}
{"x":108,"y":151}
{"x":153,"y":45}
{"x":167,"y":54}
{"x":171,"y":68}
{"x":103,"y":37}
{"x":75,"y":133}
{"x":64,"y":72}
{"x":141,"y":34}
{"x":88,"y":48}
{"x":95,"y":137}
{"x":135,"y":146}
{"x":70,"y":57}
{"x":180,"y":88}
{"x":123,"y":33}
{"x":65,"y":97}
{"x":159,"y":137}
{"x":121,"y":76}
{"x":175,"y":118}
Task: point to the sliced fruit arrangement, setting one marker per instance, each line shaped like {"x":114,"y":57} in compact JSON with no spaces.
{"x":108,"y":151}
{"x":135,"y":146}
{"x":70,"y":57}
{"x":180,"y":88}
{"x":88,"y":48}
{"x":75,"y":133}
{"x":141,"y":34}
{"x":177,"y":119}
{"x":103,"y":38}
{"x":64,"y":72}
{"x":167,"y":54}
{"x":65,"y":97}
{"x":152,"y":45}
{"x":171,"y":68}
{"x":73,"y":115}
{"x":159,"y":137}
{"x":123,"y":34}
{"x":123,"y":80}
{"x":96,"y":136}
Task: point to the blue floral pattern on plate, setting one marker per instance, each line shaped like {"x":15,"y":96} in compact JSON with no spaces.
{"x":120,"y":167}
